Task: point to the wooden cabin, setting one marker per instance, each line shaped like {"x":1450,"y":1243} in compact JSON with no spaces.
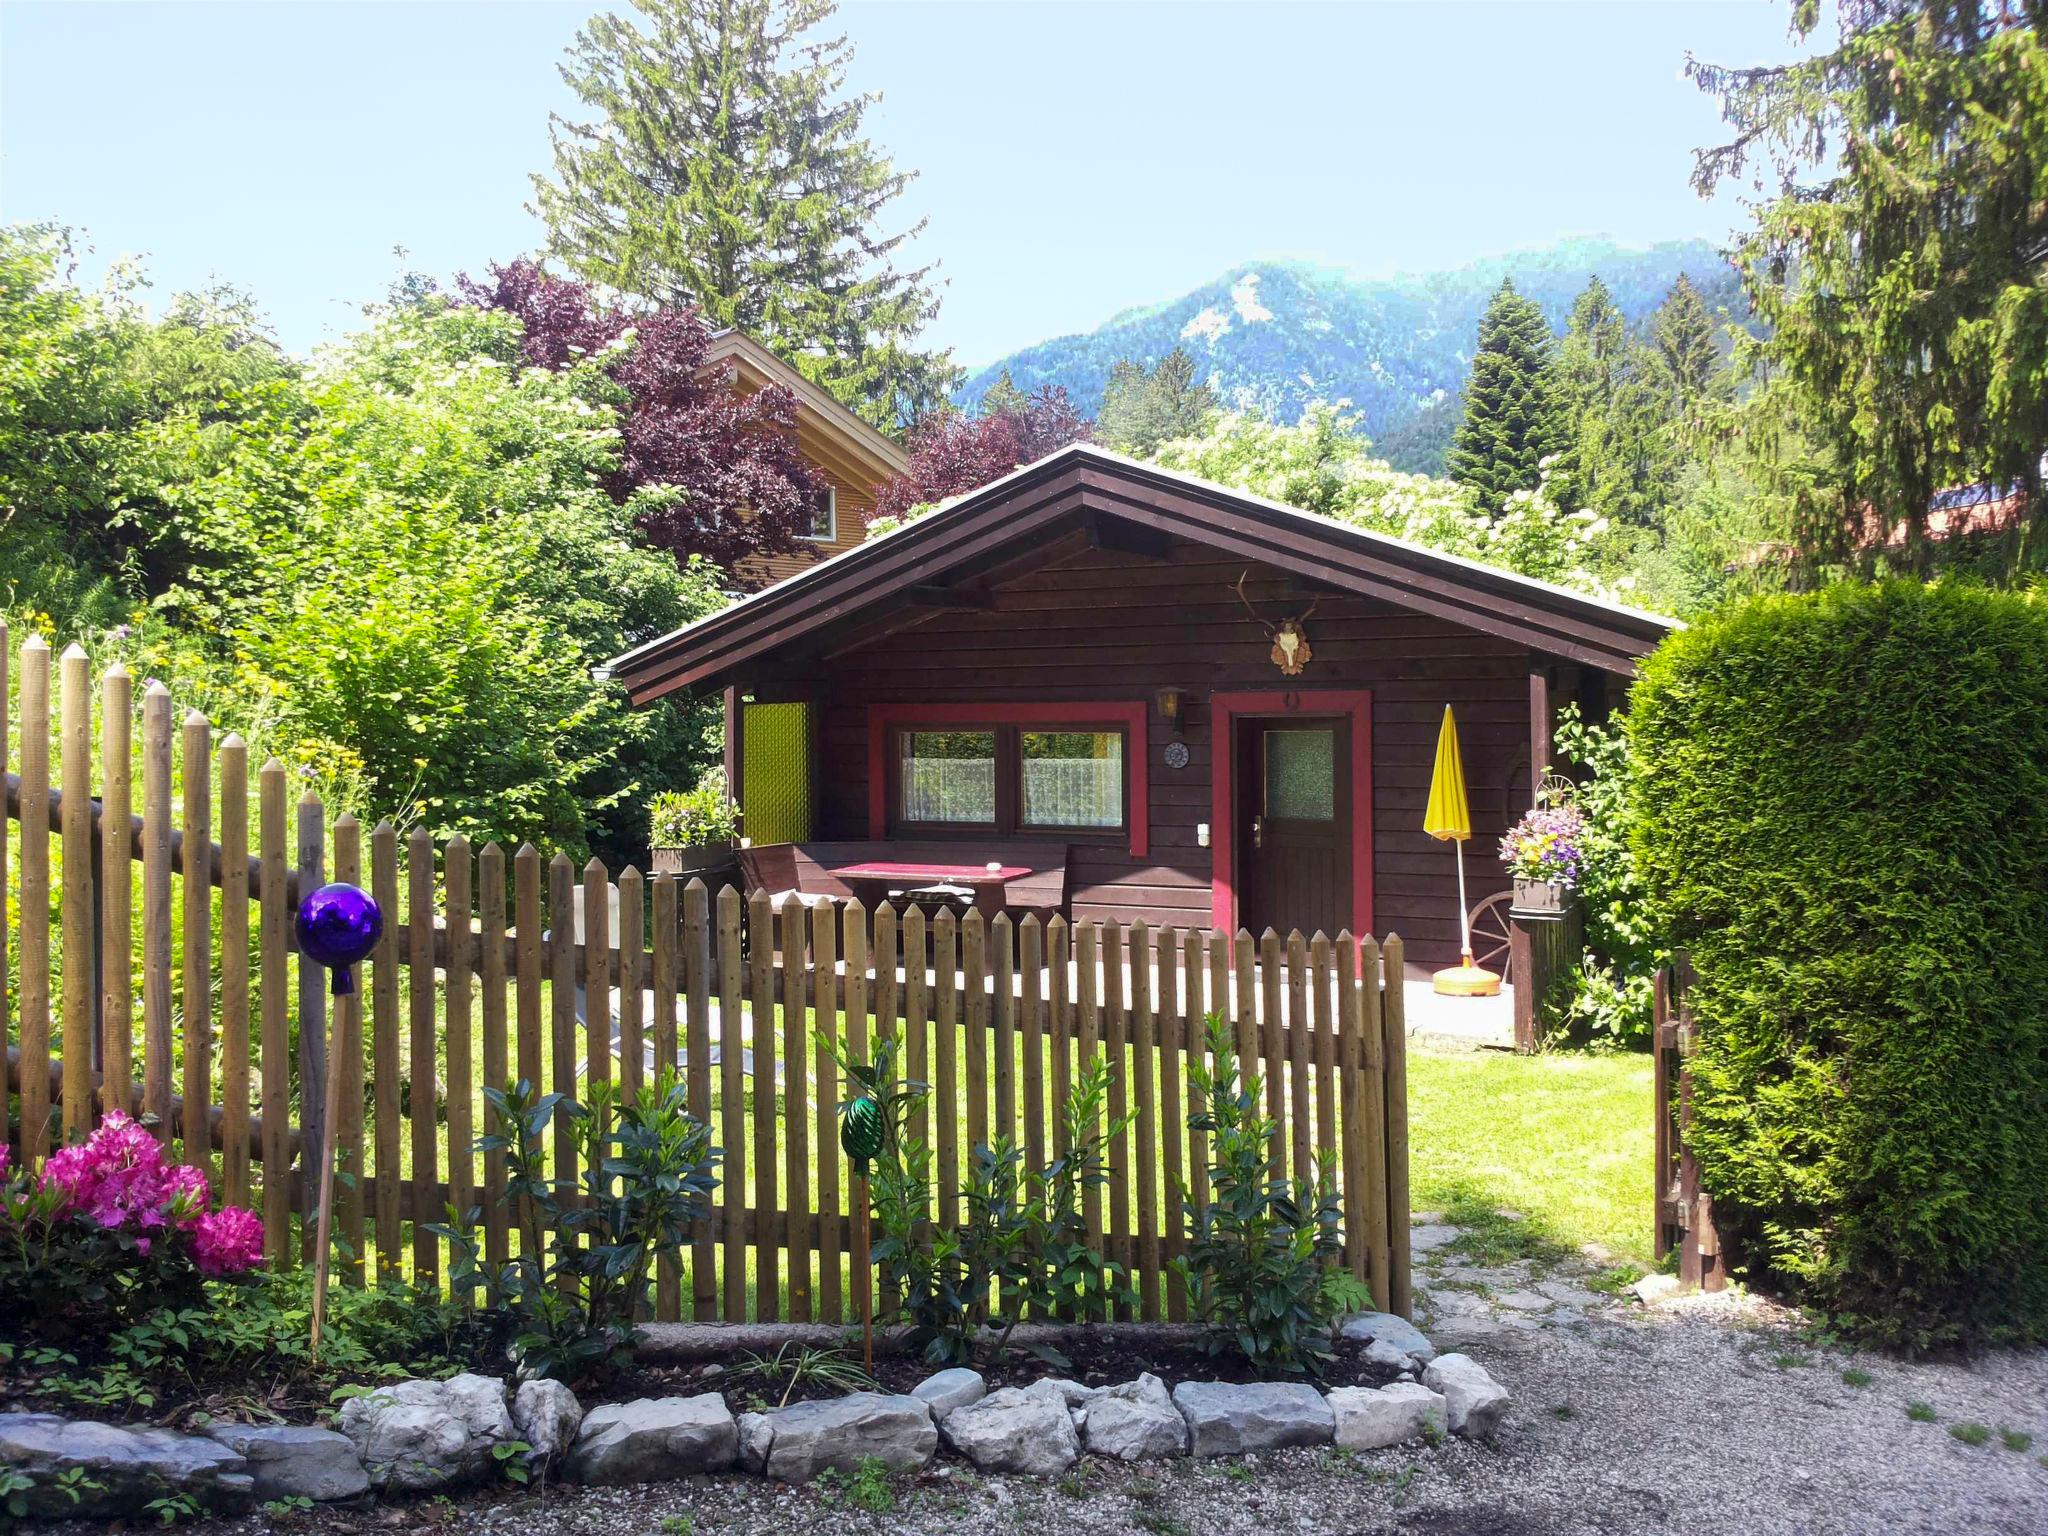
{"x":848,"y":454}
{"x":1203,"y":708}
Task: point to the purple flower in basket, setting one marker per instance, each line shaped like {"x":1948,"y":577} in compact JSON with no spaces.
{"x":1546,"y":844}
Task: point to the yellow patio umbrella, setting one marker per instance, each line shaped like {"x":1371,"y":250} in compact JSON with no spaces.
{"x":1449,"y":818}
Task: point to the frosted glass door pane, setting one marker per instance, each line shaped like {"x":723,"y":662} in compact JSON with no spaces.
{"x":1301,"y":775}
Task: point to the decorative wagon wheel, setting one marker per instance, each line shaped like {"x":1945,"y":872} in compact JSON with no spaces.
{"x":1490,"y":933}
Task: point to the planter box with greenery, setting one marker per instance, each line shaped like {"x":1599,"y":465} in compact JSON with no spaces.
{"x":694,"y":831}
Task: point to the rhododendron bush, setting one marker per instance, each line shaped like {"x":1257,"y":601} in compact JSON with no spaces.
{"x":109,"y":1227}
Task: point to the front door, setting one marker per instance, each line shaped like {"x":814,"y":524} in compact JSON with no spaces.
{"x":1294,"y":824}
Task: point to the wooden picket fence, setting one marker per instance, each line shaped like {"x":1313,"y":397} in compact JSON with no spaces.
{"x":476,"y":981}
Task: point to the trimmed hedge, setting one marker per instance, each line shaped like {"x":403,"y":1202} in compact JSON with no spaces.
{"x":1841,"y":810}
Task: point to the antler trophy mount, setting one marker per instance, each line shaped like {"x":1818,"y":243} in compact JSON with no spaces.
{"x":1291,"y":651}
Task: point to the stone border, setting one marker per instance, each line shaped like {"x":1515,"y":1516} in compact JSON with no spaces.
{"x":431,"y":1436}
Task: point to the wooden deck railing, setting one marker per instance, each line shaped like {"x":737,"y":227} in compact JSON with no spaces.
{"x":232,"y":1028}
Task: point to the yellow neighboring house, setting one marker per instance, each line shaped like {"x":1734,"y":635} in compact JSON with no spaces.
{"x":851,"y":456}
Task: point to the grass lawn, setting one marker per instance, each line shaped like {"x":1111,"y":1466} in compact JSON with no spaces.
{"x":1565,"y":1139}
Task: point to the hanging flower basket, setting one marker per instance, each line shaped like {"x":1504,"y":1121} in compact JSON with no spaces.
{"x":1543,"y":852}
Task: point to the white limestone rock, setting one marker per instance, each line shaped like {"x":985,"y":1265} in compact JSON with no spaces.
{"x":1233,"y":1419}
{"x":839,"y":1432}
{"x":1019,"y":1429}
{"x":1474,"y":1402}
{"x":950,"y":1389}
{"x":1372,"y":1418}
{"x":654,"y":1439}
{"x":296,"y":1461}
{"x":1135,"y":1421}
{"x":547,"y":1417}
{"x":421,"y":1436}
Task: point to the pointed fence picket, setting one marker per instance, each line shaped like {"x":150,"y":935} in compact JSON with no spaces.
{"x":170,"y":977}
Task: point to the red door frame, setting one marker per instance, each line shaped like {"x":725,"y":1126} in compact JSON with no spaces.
{"x":1128,"y":713}
{"x":1225,"y":710}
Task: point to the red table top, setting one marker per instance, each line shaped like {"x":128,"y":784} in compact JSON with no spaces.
{"x":933,"y":874}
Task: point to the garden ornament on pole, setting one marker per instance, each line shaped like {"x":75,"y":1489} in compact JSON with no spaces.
{"x":338,"y":925}
{"x":1449,"y":819}
{"x":863,"y":1129}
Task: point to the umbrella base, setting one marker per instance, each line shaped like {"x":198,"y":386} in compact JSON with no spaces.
{"x":1467,"y":980}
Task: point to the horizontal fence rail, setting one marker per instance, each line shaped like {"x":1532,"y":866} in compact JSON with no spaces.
{"x":156,"y":973}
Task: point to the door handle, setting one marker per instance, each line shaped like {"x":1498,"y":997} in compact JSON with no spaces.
{"x":1258,"y":831}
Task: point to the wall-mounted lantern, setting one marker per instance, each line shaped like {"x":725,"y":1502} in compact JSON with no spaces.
{"x":1173,"y":703}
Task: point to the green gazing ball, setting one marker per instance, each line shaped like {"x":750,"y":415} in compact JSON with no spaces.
{"x":861,"y":1131}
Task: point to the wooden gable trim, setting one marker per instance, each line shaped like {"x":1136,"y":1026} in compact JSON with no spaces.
{"x":1022,"y":509}
{"x":1225,"y":710}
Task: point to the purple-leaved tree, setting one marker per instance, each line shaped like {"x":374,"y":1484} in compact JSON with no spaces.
{"x":739,"y":485}
{"x":953,"y":454}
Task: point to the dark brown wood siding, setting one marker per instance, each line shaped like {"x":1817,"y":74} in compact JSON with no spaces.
{"x":1097,"y":624}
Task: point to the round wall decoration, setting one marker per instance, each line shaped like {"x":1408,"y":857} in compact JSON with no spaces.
{"x":1176,"y":754}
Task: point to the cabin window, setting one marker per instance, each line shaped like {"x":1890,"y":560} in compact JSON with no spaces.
{"x":1009,"y":779}
{"x":949,"y":777}
{"x":1071,"y":778}
{"x":824,"y":515}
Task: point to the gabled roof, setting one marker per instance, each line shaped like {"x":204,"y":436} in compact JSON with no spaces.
{"x":1084,"y":486}
{"x":843,"y":428}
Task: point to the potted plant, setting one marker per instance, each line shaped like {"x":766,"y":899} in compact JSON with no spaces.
{"x":1543,"y":852}
{"x":693,"y":831}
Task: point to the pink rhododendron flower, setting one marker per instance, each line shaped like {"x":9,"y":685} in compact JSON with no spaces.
{"x":118,"y":1180}
{"x":228,"y":1241}
{"x":187,"y":1194}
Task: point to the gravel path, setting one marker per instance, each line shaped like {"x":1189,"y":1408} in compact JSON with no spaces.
{"x":1708,"y":1416}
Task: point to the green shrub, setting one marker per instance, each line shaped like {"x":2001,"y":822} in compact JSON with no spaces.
{"x":1262,"y":1252}
{"x":572,"y":1294}
{"x":684,"y":818}
{"x":1841,"y":809}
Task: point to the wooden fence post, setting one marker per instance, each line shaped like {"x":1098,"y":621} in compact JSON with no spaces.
{"x":667,"y":961}
{"x":490,"y":901}
{"x":732,"y":1189}
{"x":234,"y":966}
{"x":1394,"y":1011}
{"x":345,"y":1067}
{"x":195,"y":999}
{"x":385,"y":1071}
{"x":796,"y":1131}
{"x":313,"y":1064}
{"x":697,"y":991}
{"x":272,"y":980}
{"x":80,"y":947}
{"x":34,"y":993}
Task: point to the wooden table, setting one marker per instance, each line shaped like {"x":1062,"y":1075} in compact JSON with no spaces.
{"x":986,"y":883}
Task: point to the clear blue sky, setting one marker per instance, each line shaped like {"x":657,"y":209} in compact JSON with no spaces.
{"x":1075,"y":159}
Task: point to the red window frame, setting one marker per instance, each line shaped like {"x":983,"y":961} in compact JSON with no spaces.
{"x":1127,"y":714}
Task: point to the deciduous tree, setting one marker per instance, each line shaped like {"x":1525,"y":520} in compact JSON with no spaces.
{"x":710,"y":471}
{"x":953,"y":454}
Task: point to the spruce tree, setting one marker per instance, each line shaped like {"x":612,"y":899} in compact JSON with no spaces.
{"x":1517,"y":411}
{"x":1141,"y":410}
{"x":1688,"y":346}
{"x":725,"y":167}
{"x":1900,"y":268}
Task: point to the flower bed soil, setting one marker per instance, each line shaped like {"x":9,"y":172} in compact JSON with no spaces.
{"x":1094,"y":1361}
